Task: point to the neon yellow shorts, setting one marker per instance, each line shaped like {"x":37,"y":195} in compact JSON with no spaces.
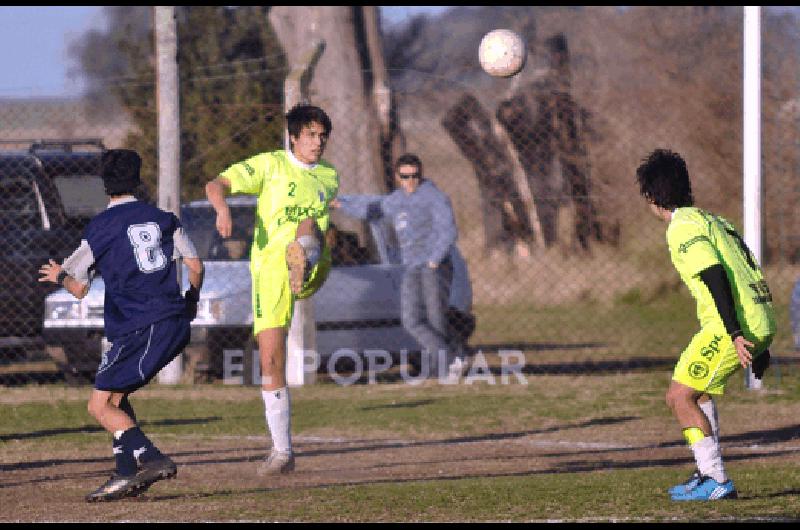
{"x":273,"y":302}
{"x":710,"y":359}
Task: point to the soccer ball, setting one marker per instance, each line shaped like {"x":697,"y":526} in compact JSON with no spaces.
{"x":502,"y":53}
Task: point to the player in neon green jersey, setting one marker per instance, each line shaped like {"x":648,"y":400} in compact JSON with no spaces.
{"x":288,"y":259}
{"x":734,"y":306}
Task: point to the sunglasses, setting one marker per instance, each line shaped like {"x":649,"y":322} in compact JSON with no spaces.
{"x":404,"y":176}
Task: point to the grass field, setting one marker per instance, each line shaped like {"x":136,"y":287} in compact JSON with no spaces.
{"x":579,"y":447}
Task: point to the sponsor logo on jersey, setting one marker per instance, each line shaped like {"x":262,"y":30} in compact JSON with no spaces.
{"x":710,"y":351}
{"x":763,"y":295}
{"x":698,"y":370}
{"x":295,"y":214}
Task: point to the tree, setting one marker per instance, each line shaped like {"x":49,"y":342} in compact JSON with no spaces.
{"x":231,"y":71}
{"x":346,"y":84}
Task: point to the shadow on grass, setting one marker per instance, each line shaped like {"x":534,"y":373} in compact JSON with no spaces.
{"x":85,"y":429}
{"x":582,"y":466}
{"x":765,"y":437}
{"x":590,"y":367}
{"x":569,"y":467}
{"x":587,"y":367}
{"x":405,"y":405}
{"x":534,"y":346}
{"x":319,"y":452}
{"x":785,"y":493}
{"x":226,"y":456}
{"x":21,"y":466}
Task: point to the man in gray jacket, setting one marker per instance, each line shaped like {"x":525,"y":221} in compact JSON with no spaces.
{"x":426,"y":231}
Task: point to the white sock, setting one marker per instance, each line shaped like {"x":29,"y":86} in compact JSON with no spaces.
{"x":311,"y":246}
{"x":708,"y":456}
{"x":277,"y":408}
{"x":709,"y":408}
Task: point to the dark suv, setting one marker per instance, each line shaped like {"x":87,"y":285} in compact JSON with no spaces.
{"x":48,"y":192}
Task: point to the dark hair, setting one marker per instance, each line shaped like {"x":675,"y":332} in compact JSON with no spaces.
{"x":408,"y":159}
{"x":664,"y":180}
{"x":120,"y":171}
{"x":301,"y":115}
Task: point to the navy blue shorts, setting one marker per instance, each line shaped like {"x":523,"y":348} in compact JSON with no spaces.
{"x":134,"y":359}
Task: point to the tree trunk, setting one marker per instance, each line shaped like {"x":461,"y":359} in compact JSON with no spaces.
{"x":341,"y":86}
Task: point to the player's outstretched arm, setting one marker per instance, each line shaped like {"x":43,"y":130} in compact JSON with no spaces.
{"x":364,"y":207}
{"x":192,"y":295}
{"x":54,"y":273}
{"x":196,"y":272}
{"x":215,"y":192}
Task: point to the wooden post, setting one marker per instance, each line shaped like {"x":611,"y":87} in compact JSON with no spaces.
{"x":169,"y":142}
{"x":301,"y":342}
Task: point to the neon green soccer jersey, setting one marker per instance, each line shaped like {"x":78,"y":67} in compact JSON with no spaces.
{"x":697,"y":240}
{"x":288,"y":192}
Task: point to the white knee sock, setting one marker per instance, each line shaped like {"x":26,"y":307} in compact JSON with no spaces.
{"x":709,"y":408}
{"x":277,"y":408}
{"x":311,"y":246}
{"x":708,"y":456}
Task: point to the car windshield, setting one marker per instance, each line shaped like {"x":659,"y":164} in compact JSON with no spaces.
{"x":19,"y":208}
{"x":200,"y":224}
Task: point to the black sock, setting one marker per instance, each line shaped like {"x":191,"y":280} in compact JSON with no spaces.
{"x":135,"y":443}
{"x":126,"y":463}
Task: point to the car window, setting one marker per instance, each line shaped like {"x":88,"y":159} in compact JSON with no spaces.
{"x":200,"y":225}
{"x":81,"y":195}
{"x":346,"y":250}
{"x":19,"y":206}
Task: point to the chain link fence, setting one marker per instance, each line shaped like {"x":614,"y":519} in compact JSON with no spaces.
{"x":562,"y":261}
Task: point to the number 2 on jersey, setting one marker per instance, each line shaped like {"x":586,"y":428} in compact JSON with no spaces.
{"x":146,"y":242}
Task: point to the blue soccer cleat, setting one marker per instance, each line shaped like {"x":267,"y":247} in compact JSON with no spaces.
{"x":687,"y":485}
{"x":708,"y":490}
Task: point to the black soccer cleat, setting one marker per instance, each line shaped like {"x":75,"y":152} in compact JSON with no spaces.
{"x":117,"y":487}
{"x":155,"y":470}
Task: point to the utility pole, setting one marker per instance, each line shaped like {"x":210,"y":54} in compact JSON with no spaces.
{"x":169,"y":146}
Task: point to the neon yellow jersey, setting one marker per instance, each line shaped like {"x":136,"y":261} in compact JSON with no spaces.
{"x":697,"y":240}
{"x":288,"y":192}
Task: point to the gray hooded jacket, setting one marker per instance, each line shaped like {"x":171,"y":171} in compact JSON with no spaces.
{"x":423,"y":220}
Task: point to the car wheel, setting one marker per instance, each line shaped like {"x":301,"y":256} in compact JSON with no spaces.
{"x":197,"y":363}
{"x":72,"y":375}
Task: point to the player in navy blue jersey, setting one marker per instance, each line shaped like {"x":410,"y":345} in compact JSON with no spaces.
{"x":134,"y":247}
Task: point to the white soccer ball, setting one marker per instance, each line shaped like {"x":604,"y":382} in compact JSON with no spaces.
{"x":502,"y":53}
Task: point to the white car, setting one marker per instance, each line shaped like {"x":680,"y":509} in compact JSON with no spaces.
{"x":358,"y":307}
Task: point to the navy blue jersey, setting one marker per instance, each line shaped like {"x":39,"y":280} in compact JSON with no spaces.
{"x":133,"y":248}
